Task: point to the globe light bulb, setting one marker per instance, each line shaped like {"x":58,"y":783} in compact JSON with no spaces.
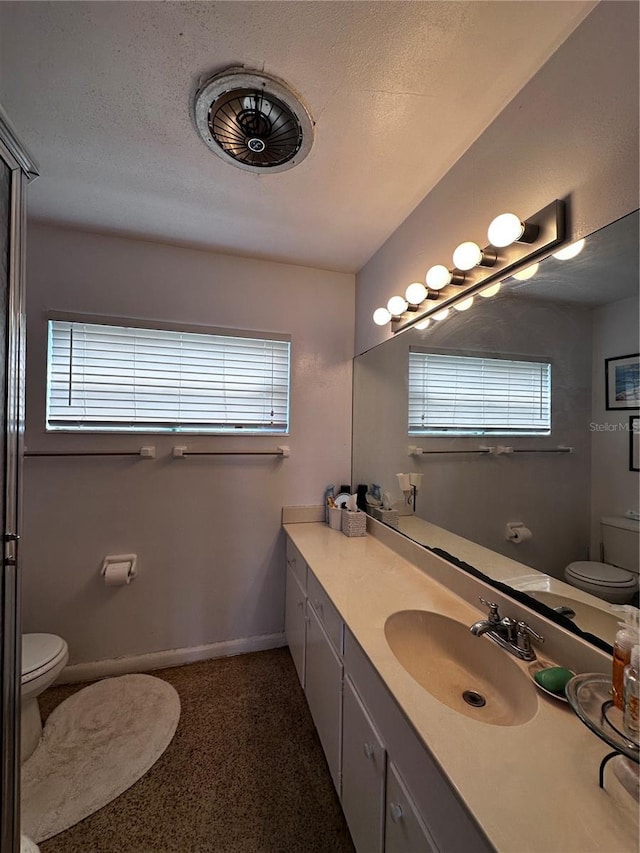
{"x":490,"y":291}
{"x":381,"y":316}
{"x":441,"y":315}
{"x":438,"y":277}
{"x":527,"y":272}
{"x":416,"y":293}
{"x":397,"y":305}
{"x":569,"y":251}
{"x":467,"y":256}
{"x":464,"y":305}
{"x":423,"y":324}
{"x":505,"y":230}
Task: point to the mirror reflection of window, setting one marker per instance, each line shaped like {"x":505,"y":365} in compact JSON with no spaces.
{"x":477,"y":395}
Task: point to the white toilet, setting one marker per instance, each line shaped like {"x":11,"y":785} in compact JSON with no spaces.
{"x":44,"y":656}
{"x":615,"y":581}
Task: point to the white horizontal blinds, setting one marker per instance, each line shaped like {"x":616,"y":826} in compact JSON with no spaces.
{"x":117,"y":377}
{"x":468,"y":395}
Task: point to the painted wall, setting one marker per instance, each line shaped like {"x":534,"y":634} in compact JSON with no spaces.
{"x":614,"y":488}
{"x":207,"y":531}
{"x":571,"y":132}
{"x":475,"y":496}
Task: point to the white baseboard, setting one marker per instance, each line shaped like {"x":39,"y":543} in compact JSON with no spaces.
{"x":171,"y":657}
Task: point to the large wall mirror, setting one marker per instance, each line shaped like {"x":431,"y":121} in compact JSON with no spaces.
{"x":575,"y":315}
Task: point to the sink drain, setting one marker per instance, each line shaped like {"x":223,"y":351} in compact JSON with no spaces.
{"x":473,"y":698}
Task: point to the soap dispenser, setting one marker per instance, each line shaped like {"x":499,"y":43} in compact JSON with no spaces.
{"x":631,"y":714}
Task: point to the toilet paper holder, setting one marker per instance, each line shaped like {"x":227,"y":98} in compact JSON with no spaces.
{"x":119,"y":569}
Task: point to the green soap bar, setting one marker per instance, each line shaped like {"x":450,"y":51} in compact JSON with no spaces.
{"x":553,"y":678}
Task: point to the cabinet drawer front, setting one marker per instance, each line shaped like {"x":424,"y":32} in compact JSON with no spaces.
{"x":297,"y":564}
{"x":363,"y":774}
{"x":405,"y":831}
{"x":323,"y":688}
{"x":327,"y":613}
{"x":295,"y":622}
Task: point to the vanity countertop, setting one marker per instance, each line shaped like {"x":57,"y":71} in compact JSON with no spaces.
{"x":533,"y":788}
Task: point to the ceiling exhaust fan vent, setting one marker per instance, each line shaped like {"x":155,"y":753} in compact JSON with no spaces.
{"x":253,"y":121}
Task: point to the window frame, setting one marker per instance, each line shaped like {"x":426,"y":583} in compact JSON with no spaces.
{"x":168,"y":326}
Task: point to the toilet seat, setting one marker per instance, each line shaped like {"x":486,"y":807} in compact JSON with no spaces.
{"x":602,"y":574}
{"x":40,"y":653}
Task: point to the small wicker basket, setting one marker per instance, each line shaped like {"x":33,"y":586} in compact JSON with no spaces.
{"x":354,"y":523}
{"x":387,"y":516}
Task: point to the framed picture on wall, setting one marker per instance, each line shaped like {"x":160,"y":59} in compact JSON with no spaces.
{"x":634,"y":443}
{"x":622,"y":382}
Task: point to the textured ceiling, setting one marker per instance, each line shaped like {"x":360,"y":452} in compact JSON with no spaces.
{"x":102,"y":94}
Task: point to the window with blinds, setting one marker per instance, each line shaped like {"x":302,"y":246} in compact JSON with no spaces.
{"x":470,"y":395}
{"x":119,"y":378}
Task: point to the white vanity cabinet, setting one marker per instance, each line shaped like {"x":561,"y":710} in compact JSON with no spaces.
{"x":314,"y":632}
{"x":393,"y":794}
{"x":404,"y":829}
{"x":419,"y":801}
{"x":295,"y":608}
{"x":323,"y":689}
{"x":295,"y":622}
{"x":364,"y":764}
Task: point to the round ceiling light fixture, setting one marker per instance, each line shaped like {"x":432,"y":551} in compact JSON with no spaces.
{"x":253,"y":121}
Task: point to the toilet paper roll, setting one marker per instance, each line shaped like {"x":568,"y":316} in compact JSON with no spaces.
{"x":522,"y":534}
{"x":517,"y":533}
{"x":118,"y":574}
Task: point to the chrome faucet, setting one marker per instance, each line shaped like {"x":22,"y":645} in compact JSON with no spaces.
{"x":508,"y":633}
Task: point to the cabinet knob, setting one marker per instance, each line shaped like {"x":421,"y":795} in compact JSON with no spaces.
{"x":369,"y":750}
{"x":300,"y":603}
{"x":396,"y":812}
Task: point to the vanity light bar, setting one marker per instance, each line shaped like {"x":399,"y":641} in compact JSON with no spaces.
{"x":531,"y":238}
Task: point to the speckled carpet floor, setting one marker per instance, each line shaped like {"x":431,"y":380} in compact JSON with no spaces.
{"x":244,"y":773}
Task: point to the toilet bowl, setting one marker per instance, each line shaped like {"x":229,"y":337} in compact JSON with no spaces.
{"x":44,"y":656}
{"x":615,"y":579}
{"x":610,"y":583}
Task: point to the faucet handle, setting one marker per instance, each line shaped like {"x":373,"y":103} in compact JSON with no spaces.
{"x":494,"y":616}
{"x":524,"y":635}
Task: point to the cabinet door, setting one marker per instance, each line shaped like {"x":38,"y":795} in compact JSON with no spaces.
{"x":295,"y":624}
{"x":297,"y":564}
{"x":363,"y":774}
{"x":405,"y":832}
{"x":323,"y":687}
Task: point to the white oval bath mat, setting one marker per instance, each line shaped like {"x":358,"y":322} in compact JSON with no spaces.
{"x":95,"y":745}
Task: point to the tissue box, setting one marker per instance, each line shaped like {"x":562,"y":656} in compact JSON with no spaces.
{"x":387,"y":516}
{"x":354,"y":523}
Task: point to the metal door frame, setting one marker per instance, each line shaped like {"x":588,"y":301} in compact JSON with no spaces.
{"x":23,"y":169}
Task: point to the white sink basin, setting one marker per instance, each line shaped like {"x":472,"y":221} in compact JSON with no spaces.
{"x":448,"y":661}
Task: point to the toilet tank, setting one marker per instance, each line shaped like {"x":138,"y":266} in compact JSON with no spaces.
{"x":621,"y":542}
